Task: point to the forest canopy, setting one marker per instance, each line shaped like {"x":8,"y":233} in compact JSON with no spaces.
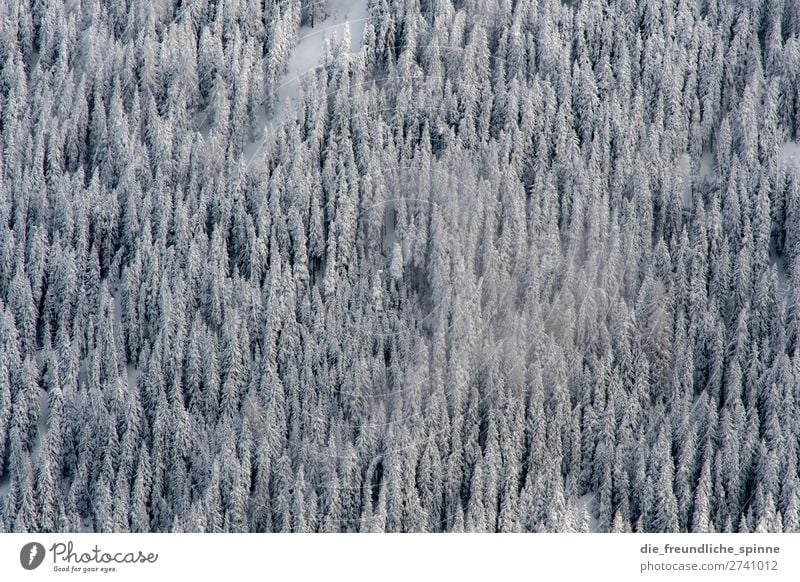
{"x":520,"y":265}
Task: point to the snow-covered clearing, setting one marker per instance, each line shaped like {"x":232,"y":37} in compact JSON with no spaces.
{"x":694,"y":173}
{"x":345,"y":15}
{"x":584,"y":508}
{"x":706,"y":171}
{"x":782,"y":271}
{"x":790,"y":153}
{"x":132,"y":376}
{"x":44,"y":422}
{"x":685,"y":176}
{"x":307,"y":53}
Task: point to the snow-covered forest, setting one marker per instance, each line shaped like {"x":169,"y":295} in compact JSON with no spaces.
{"x":519,"y":265}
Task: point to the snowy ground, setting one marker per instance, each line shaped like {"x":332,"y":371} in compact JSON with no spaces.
{"x":790,"y":153}
{"x":706,"y":171}
{"x":132,"y":376}
{"x":584,"y":506}
{"x":685,"y":176}
{"x":43,"y":425}
{"x":693,"y":174}
{"x":306,"y":56}
{"x":782,"y":271}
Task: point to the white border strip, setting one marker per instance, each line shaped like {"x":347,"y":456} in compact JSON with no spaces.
{"x":445,"y":557}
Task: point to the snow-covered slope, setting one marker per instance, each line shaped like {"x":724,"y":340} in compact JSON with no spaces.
{"x":306,"y":56}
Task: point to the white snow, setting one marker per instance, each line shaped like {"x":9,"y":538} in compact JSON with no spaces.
{"x":132,"y":376}
{"x":782,"y":271}
{"x":694,"y":172}
{"x":305,"y":59}
{"x":685,"y":176}
{"x":44,"y":416}
{"x":306,"y":55}
{"x":790,"y":153}
{"x":584,"y":505}
{"x":83,"y":374}
{"x":706,"y":166}
{"x":117,"y":301}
